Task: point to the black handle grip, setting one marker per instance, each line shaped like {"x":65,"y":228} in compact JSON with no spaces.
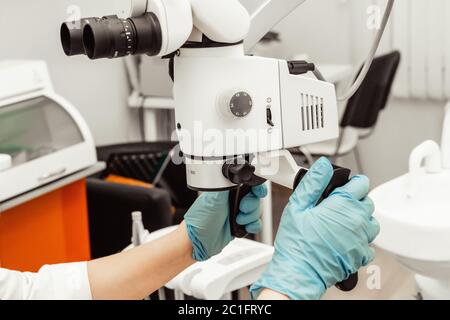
{"x":235,"y":198}
{"x":340,"y":178}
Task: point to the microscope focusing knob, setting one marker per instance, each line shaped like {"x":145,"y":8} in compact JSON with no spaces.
{"x":236,"y":104}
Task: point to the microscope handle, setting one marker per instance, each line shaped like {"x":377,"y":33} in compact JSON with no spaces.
{"x":235,"y":198}
{"x":340,"y":178}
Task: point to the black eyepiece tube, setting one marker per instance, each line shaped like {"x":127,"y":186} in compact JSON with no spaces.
{"x":112,"y":37}
{"x":72,"y":36}
{"x":148,"y":34}
{"x":98,"y":42}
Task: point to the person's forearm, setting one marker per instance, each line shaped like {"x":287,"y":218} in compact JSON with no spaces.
{"x":269,"y":294}
{"x":137,"y":273}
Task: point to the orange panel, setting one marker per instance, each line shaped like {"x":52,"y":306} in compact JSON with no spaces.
{"x":50,"y":229}
{"x":76,"y":223}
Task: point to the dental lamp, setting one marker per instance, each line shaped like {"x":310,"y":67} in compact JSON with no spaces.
{"x":236,"y":114}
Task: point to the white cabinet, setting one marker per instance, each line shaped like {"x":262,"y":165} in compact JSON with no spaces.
{"x":43,"y":134}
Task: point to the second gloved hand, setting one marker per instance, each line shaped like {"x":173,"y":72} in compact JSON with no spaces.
{"x":318,"y":246}
{"x":207,"y":221}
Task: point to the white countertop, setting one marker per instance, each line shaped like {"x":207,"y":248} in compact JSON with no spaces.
{"x":52,"y":186}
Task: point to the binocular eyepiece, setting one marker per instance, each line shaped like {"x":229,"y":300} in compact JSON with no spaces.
{"x":112,"y":37}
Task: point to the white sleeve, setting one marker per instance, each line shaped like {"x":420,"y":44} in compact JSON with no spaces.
{"x":54,"y":282}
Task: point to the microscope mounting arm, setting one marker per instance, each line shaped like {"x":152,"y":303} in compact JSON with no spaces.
{"x":229,"y":21}
{"x":222,"y":21}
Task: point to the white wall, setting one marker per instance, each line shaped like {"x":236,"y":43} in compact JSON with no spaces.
{"x":404,"y":125}
{"x":98,"y":89}
{"x":319,"y":28}
{"x":334,"y":31}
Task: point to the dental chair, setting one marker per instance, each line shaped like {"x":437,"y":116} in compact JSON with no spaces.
{"x":361,"y":113}
{"x":145,"y":181}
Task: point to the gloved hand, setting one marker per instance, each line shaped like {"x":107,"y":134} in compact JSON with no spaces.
{"x":319,"y":246}
{"x":208,"y":224}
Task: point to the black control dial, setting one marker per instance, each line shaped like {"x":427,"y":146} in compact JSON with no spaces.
{"x":240,"y":104}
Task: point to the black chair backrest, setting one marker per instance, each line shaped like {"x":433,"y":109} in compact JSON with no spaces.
{"x":364,"y":107}
{"x":142,"y":161}
{"x":110,"y":206}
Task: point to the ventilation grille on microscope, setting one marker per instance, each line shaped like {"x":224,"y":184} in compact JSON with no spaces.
{"x":312,"y":112}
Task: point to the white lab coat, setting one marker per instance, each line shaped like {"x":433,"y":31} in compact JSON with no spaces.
{"x":56,"y":282}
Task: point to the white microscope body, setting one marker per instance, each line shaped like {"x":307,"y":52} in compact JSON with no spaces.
{"x":229,"y":105}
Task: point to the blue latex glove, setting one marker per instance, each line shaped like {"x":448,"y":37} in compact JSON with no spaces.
{"x":208,"y":224}
{"x":319,"y":246}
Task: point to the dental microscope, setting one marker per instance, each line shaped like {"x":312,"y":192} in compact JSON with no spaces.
{"x":236,"y":114}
